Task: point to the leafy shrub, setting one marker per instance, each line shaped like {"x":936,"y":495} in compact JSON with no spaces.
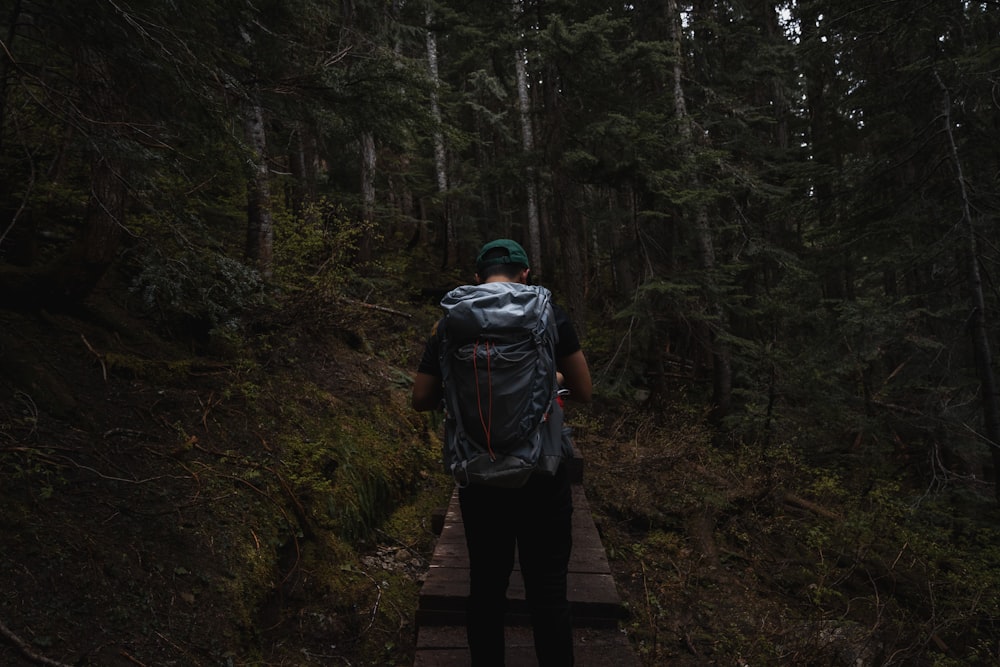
{"x":314,"y":248}
{"x":198,"y":289}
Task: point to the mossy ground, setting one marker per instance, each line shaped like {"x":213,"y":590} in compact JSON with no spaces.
{"x":270,"y":504}
{"x":166,"y":504}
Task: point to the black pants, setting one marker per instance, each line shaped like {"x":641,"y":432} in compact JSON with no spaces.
{"x":537,"y":519}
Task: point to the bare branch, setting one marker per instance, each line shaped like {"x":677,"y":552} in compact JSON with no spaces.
{"x":26,"y":650}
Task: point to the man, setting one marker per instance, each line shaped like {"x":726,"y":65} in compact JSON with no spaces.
{"x":536,"y":518}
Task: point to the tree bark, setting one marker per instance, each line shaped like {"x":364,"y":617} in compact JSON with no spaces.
{"x":368,"y":164}
{"x":566,"y":218}
{"x":528,"y":146}
{"x":93,"y":252}
{"x":260,"y":225}
{"x":440,"y":155}
{"x":705,"y":245}
{"x":302,"y":165}
{"x":6,"y":63}
{"x":978,"y":321}
{"x":69,"y":279}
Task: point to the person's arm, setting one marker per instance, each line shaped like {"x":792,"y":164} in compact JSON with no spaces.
{"x":427,"y":392}
{"x":576,"y":376}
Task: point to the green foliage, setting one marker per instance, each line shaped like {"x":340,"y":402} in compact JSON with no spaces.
{"x":197,"y":289}
{"x":316,"y":248}
{"x":375,"y":469}
{"x":644,"y":328}
{"x":915,"y":563}
{"x":356,"y":468}
{"x":848,"y":564}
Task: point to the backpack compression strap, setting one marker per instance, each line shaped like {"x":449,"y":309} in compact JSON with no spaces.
{"x":485,"y":422}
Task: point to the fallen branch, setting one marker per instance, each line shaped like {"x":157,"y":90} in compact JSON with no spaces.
{"x":798,"y":501}
{"x":100,"y":357}
{"x":295,"y":539}
{"x":26,"y":651}
{"x":378,"y":599}
{"x":372,"y":306}
{"x":135,"y":661}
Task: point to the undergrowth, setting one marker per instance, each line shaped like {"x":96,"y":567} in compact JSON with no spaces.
{"x":271,"y":505}
{"x":736,"y":554}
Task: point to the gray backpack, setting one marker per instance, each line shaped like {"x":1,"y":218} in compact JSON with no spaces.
{"x":503,"y":422}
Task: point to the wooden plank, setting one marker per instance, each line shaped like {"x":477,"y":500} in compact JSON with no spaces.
{"x":582,"y":588}
{"x":597,"y":608}
{"x":588,"y":551}
{"x":447,"y":647}
{"x":588,"y":558}
{"x":575,"y":467}
{"x":591,"y":588}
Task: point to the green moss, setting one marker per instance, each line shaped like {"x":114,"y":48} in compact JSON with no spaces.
{"x":152,"y":370}
{"x":410,"y":523}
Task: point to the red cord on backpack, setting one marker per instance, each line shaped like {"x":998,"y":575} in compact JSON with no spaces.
{"x":486,"y":423}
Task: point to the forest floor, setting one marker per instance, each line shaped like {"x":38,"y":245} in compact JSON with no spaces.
{"x":160,"y":500}
{"x":169,"y":504}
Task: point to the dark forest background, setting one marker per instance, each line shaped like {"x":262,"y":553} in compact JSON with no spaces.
{"x":775,"y":224}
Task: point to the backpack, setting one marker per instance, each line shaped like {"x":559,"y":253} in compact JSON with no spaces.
{"x":503,"y":422}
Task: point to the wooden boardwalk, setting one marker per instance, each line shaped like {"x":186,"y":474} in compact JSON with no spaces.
{"x":597,"y":608}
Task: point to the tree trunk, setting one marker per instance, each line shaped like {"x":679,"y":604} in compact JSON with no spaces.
{"x":302,"y":165}
{"x":368,"y":163}
{"x":528,"y":145}
{"x":440,"y":161}
{"x":6,"y":62}
{"x":71,"y":278}
{"x":399,"y":196}
{"x":622,"y":233}
{"x":978,"y":321}
{"x":718,"y":351}
{"x":566,"y":219}
{"x":260,"y":225}
{"x":97,"y":246}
